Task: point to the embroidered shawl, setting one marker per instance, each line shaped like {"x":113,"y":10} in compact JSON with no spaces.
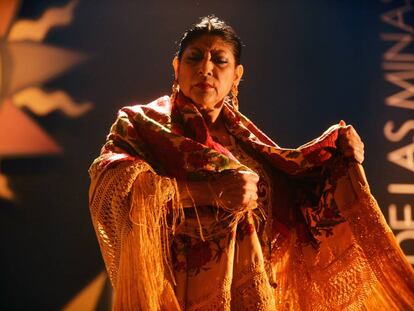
{"x":323,"y":244}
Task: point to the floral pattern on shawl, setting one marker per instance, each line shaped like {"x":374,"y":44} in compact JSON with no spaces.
{"x":174,"y":140}
{"x":191,"y":254}
{"x":145,"y":131}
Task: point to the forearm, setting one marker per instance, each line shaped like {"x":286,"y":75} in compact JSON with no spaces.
{"x":195,"y":193}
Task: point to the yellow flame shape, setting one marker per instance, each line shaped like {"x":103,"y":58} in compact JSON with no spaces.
{"x":37,"y":30}
{"x":5,"y":191}
{"x":42,"y":103}
{"x":87,"y":298}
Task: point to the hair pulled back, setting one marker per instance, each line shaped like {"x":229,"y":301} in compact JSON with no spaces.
{"x":211,"y":25}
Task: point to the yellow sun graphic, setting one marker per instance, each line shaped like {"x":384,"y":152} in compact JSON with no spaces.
{"x":25,"y":63}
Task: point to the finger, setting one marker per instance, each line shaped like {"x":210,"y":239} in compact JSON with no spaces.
{"x":250,"y":198}
{"x":342,"y":123}
{"x":249,"y":189}
{"x":350,"y":139}
{"x":356,"y":154}
{"x":246,"y":172}
{"x":348,"y":153}
{"x":253,"y":178}
{"x":348,"y":130}
{"x":354,"y":134}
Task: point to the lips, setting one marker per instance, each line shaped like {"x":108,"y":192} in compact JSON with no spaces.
{"x":204,"y":86}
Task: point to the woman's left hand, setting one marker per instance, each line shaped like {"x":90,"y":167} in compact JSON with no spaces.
{"x":349,"y":143}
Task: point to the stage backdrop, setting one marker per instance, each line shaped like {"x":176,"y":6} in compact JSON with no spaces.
{"x":66,"y":67}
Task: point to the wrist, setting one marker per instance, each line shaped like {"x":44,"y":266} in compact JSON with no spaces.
{"x":195,"y":193}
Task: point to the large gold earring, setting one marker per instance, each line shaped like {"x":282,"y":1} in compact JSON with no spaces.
{"x":175,"y":89}
{"x":234,"y":99}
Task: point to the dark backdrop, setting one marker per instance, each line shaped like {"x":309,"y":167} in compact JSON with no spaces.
{"x":308,"y":64}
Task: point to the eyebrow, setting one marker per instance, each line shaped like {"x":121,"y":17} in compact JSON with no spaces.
{"x":199,"y":50}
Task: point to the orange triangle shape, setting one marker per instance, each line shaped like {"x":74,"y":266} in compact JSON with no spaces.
{"x":19,"y":135}
{"x":87,"y":298}
{"x":8,"y":10}
{"x":5,"y":192}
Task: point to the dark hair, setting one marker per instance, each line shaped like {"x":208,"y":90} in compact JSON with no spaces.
{"x":211,"y":25}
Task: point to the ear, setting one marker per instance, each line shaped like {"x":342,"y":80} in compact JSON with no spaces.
{"x":176,"y":64}
{"x":238,"y":74}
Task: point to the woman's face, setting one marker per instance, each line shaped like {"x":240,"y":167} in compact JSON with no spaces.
{"x":207,"y":71}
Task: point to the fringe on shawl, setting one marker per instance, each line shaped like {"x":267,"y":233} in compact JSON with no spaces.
{"x":133,"y":204}
{"x":387,"y":261}
{"x":359,"y":267}
{"x":145,"y":273}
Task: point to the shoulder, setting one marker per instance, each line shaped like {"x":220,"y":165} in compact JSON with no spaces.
{"x":158,"y":110}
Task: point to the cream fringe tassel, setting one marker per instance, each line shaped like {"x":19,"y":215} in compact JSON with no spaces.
{"x":145,"y":274}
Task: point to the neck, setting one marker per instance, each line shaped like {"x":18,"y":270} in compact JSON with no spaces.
{"x":213,"y":114}
{"x":218,"y":124}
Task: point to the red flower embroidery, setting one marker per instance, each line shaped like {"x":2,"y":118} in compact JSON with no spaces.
{"x":180,"y":266}
{"x":249,"y":229}
{"x":244,"y":133}
{"x":197,"y":160}
{"x":197,"y":125}
{"x":319,"y":153}
{"x":165,"y":151}
{"x":284,"y":164}
{"x":155,"y":115}
{"x":198,"y":255}
{"x":329,"y":213}
{"x":317,"y":157}
{"x":189,"y":146}
{"x":245,"y":229}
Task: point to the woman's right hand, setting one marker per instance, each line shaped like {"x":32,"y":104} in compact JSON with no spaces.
{"x":232,"y":190}
{"x":236,"y":189}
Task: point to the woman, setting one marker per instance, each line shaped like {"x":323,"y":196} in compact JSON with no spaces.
{"x":196,"y":209}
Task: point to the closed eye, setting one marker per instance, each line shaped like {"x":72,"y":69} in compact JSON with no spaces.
{"x":221,"y":60}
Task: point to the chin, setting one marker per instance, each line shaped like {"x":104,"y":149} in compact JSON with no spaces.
{"x":208,"y":103}
{"x":209,"y":106}
{"x":204,"y":103}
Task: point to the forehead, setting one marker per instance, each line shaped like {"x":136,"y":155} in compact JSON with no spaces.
{"x":210,"y":42}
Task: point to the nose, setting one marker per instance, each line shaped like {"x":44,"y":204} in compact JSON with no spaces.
{"x":206,"y":66}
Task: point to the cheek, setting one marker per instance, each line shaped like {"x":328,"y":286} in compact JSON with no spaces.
{"x":227,"y":82}
{"x":184,"y":79}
